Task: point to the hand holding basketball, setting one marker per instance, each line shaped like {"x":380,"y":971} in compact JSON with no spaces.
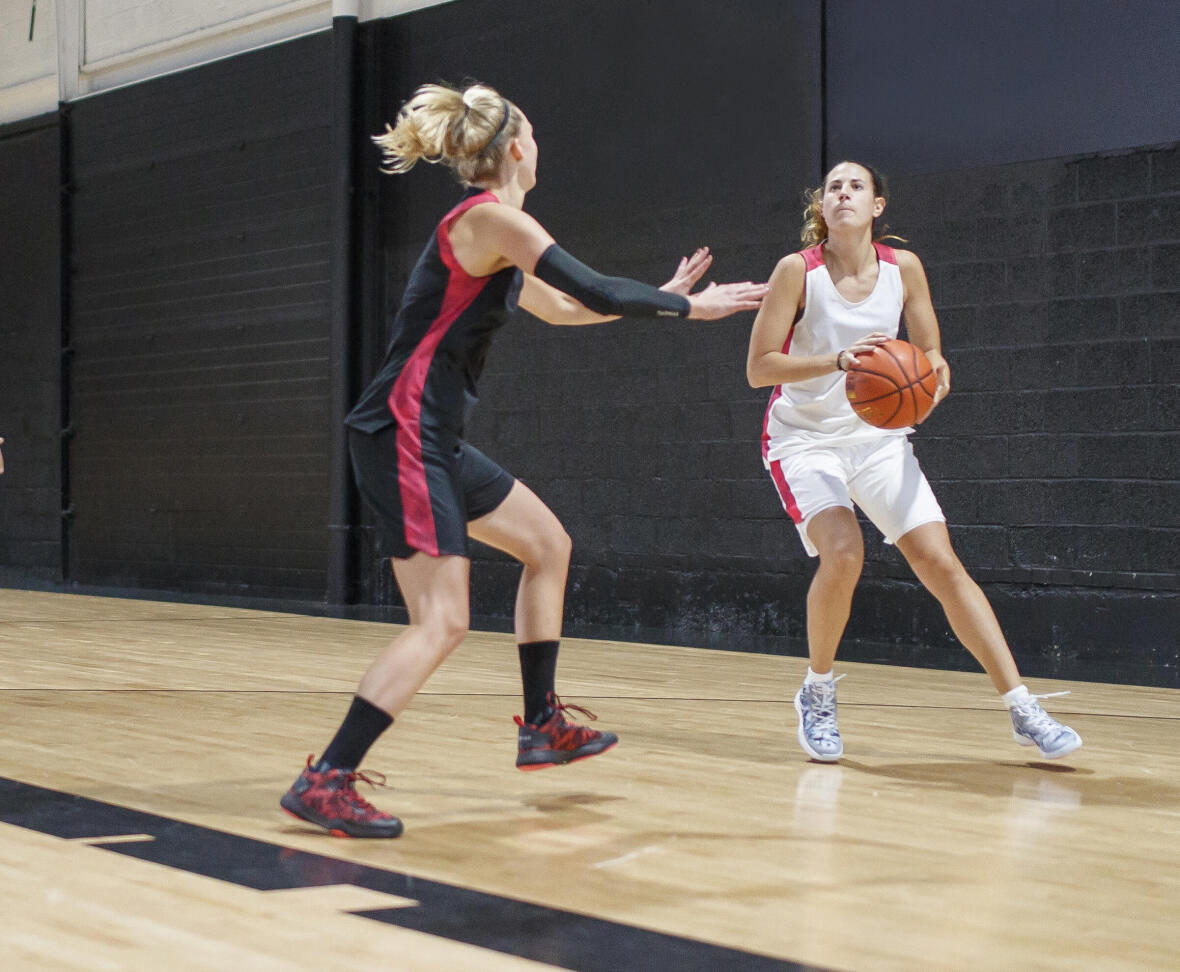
{"x":892,"y":385}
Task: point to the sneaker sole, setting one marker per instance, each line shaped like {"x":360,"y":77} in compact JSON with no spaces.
{"x":306,"y":816}
{"x":1073,"y":748}
{"x":547,"y":763}
{"x":831,"y":758}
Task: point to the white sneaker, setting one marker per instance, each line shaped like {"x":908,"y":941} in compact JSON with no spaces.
{"x":818,"y":733}
{"x":1033,"y":726}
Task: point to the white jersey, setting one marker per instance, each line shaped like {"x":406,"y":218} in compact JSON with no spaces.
{"x":816,"y":412}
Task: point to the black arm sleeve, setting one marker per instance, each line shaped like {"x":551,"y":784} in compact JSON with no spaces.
{"x":606,"y":295}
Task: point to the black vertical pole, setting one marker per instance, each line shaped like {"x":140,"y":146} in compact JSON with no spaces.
{"x":823,"y":86}
{"x":343,"y":308}
{"x":65,"y":288}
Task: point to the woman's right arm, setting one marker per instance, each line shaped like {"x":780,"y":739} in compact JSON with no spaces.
{"x":768,"y":362}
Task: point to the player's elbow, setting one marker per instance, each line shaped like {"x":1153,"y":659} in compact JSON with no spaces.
{"x":755,"y":375}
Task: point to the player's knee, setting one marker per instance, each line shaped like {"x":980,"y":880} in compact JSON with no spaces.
{"x":845,"y":556}
{"x":562,"y":546}
{"x":449,"y":627}
{"x":552,"y":548}
{"x":938,"y":568}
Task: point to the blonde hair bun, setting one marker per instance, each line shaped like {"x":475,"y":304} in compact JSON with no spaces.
{"x":464,"y":129}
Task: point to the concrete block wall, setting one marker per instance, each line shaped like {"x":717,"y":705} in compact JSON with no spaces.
{"x":1054,"y":457}
{"x":1059,"y":295}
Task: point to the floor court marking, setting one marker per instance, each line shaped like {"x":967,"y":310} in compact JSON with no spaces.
{"x":507,"y":925}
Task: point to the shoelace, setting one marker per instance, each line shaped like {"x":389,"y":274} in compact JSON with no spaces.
{"x":824,"y":715}
{"x":1034,"y":717}
{"x":560,"y":707}
{"x":346,"y":791}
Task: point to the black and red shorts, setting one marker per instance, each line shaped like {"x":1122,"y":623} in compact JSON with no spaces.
{"x":425,"y":492}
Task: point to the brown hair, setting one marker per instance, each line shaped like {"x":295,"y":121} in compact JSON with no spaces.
{"x":815,"y":230}
{"x":465,"y":129}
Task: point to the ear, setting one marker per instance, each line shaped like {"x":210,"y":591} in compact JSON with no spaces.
{"x":878,"y":206}
{"x":514,"y":150}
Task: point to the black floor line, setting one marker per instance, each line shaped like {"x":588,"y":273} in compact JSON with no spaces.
{"x":559,"y":938}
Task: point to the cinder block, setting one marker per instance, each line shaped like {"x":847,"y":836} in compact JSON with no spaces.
{"x":1130,"y":455}
{"x":1165,"y":272}
{"x":1105,"y":363}
{"x":1159,"y":360}
{"x":1043,"y":546}
{"x":1012,"y":324}
{"x":961,"y":328}
{"x":1026,"y":502}
{"x":980,"y":546}
{"x":1113,"y":176}
{"x":1149,"y":315}
{"x":1098,"y":410}
{"x":971,"y":283}
{"x":961,"y":456}
{"x":1052,"y":275}
{"x":1009,"y":237}
{"x":1155,"y":220}
{"x":1043,"y":456}
{"x":1089,"y":227}
{"x":1165,"y":170}
{"x":1091,"y":318}
{"x":1129,"y":548}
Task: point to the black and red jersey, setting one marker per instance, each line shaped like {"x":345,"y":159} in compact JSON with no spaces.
{"x":441,"y":336}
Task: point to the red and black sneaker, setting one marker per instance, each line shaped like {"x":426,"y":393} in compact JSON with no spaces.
{"x":554,"y":742}
{"x":329,"y":798}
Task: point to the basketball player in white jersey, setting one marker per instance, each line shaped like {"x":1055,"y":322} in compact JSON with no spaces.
{"x":836,"y":299}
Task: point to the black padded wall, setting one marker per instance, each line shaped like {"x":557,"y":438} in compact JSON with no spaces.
{"x":199,"y":295}
{"x":30,"y":351}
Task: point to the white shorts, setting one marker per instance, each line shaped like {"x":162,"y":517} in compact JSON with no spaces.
{"x":883,"y":478}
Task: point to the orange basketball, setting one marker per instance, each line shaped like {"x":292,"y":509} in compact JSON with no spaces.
{"x":891,"y":386}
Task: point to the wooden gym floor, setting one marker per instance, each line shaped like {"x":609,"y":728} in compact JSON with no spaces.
{"x":144,"y":746}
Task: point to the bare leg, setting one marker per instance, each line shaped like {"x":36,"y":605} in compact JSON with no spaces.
{"x":836,"y":536}
{"x":525,"y":528}
{"x":435,"y":590}
{"x":928,"y":550}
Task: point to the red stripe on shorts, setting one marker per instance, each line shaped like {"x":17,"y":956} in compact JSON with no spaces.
{"x":784,"y":491}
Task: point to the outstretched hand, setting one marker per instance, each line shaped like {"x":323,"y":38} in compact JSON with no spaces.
{"x":690,"y":270}
{"x":721,"y":300}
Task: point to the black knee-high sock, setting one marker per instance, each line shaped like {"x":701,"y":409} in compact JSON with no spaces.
{"x":359,"y":730}
{"x":538,"y":666}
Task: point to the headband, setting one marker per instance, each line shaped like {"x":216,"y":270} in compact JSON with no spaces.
{"x":503,"y":124}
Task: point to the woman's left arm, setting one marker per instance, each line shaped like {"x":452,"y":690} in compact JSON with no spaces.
{"x":557,"y":307}
{"x":921,"y":324}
